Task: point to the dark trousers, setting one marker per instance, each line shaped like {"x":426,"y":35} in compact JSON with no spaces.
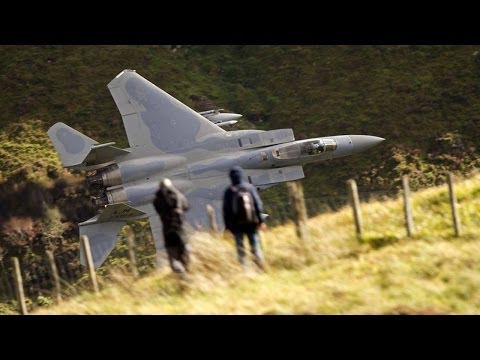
{"x":177,"y":252}
{"x":255,"y":247}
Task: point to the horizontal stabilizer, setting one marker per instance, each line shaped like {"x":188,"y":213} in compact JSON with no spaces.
{"x":102,"y":238}
{"x":102,"y":154}
{"x":120,"y":211}
{"x":102,"y":230}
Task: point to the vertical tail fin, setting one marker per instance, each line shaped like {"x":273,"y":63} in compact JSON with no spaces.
{"x":71,"y":145}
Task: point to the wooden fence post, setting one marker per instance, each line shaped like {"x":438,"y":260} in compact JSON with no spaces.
{"x":89,"y":261}
{"x":131,"y":251}
{"x":355,"y":202}
{"x":407,"y":206}
{"x":56,"y":278}
{"x":212,"y":218}
{"x":19,"y":286}
{"x":454,"y":205}
{"x":295,"y":191}
{"x":6,"y":284}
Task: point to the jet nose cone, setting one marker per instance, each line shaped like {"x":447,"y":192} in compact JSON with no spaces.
{"x":364,"y":142}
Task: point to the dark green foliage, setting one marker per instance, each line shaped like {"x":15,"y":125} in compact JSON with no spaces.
{"x":417,"y":97}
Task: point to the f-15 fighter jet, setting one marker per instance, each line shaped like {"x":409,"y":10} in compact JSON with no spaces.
{"x":169,"y":139}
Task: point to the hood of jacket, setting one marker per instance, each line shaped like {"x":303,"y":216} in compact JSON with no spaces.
{"x":237,"y":175}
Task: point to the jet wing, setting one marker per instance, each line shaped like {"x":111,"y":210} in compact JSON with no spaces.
{"x":157,"y":233}
{"x":211,"y":190}
{"x":197,"y":215}
{"x":154,"y":119}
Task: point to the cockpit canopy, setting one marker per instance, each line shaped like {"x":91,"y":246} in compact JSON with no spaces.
{"x":304,"y":148}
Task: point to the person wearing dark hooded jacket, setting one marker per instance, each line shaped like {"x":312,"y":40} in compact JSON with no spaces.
{"x":239,"y":229}
{"x":171,"y":205}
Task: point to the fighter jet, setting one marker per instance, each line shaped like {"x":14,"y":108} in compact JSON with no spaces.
{"x":169,"y":139}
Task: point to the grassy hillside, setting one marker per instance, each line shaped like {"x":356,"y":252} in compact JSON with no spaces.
{"x":422,"y":99}
{"x":332,"y":273}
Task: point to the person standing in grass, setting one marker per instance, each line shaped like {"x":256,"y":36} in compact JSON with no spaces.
{"x":171,"y":205}
{"x":242,"y":213}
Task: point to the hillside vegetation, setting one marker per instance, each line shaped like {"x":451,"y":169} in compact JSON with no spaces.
{"x":332,"y":273}
{"x":423,"y":99}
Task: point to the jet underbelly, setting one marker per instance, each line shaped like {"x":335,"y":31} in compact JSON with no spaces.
{"x":212,"y":168}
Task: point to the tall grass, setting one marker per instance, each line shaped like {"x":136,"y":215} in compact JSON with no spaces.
{"x":332,"y":273}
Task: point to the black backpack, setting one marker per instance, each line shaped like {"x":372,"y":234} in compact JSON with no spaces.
{"x":243,"y":206}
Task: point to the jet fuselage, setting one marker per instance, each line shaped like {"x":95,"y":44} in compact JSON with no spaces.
{"x":136,"y":180}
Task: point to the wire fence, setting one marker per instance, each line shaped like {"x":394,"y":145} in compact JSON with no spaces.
{"x":37,"y":276}
{"x":282,"y":213}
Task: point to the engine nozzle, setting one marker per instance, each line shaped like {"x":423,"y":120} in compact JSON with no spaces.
{"x":109,"y":176}
{"x":95,"y":180}
{"x":100,"y":201}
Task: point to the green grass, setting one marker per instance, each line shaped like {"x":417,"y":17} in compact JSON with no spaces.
{"x":332,"y":273}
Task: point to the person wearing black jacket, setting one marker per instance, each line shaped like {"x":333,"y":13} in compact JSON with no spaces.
{"x":237,"y":228}
{"x":171,"y":205}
